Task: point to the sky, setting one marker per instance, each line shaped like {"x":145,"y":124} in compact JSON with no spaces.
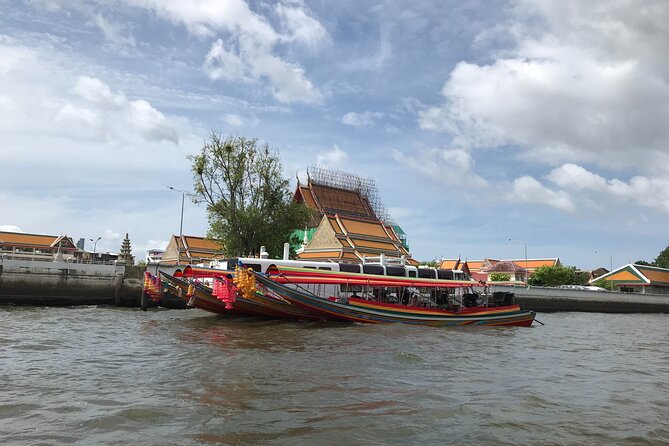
{"x":541,"y":121}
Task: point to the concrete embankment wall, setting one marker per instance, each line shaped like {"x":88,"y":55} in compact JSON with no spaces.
{"x":24,"y":282}
{"x":558,"y":299}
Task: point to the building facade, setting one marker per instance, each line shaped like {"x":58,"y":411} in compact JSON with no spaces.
{"x":19,"y":245}
{"x":632,"y":278}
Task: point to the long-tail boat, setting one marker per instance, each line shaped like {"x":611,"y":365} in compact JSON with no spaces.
{"x":195,"y":295}
{"x":287,"y":282}
{"x":202,"y":296}
{"x":328,"y":290}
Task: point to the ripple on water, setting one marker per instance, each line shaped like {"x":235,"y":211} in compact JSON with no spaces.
{"x":122,"y":376}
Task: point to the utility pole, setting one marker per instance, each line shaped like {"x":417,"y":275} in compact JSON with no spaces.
{"x":527,"y":272}
{"x":181,"y":224}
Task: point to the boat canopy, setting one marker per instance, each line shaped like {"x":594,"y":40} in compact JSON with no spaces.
{"x":201,"y":272}
{"x":287,"y":274}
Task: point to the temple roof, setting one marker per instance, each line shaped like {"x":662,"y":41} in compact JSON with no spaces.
{"x":328,"y":200}
{"x":505,"y":266}
{"x":21,"y":239}
{"x":193,"y":248}
{"x":455,"y":264}
{"x":532,"y":264}
{"x":340,"y":237}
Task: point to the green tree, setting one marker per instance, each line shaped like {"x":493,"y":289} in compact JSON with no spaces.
{"x":643,"y":262}
{"x":558,"y":275}
{"x":499,"y":277}
{"x":434,"y":263}
{"x":662,"y":260}
{"x":247,"y":197}
{"x":603,"y":283}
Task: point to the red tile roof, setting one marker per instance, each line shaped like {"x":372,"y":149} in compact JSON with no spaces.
{"x":505,"y":266}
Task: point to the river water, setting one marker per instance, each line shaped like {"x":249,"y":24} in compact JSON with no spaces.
{"x":107,"y":376}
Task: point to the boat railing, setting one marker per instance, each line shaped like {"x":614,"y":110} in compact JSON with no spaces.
{"x":384,"y":260}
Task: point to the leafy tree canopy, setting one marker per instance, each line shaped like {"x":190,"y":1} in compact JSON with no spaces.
{"x":603,"y":283}
{"x":643,"y":262}
{"x":558,"y":275}
{"x":499,"y":277}
{"x":662,"y":260}
{"x":247,"y":197}
{"x":434,"y":263}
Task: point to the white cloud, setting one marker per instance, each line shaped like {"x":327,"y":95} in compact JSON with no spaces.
{"x":206,"y":17}
{"x":358,"y":120}
{"x":13,"y":55}
{"x":300,"y":26}
{"x":227,"y":65}
{"x":453,"y":167}
{"x":10,"y":228}
{"x":112,"y":115}
{"x":247,"y":52}
{"x":41,"y":88}
{"x":332,"y":157}
{"x":233,"y":120}
{"x":586,"y":81}
{"x":237,"y":121}
{"x":648,"y":192}
{"x":112,"y":235}
{"x":528,"y":190}
{"x":576,"y":178}
{"x":54,"y":120}
{"x":140,"y":249}
{"x":120,"y":39}
{"x":247,"y":61}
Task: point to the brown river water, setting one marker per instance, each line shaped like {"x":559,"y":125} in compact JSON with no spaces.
{"x":110,"y":376}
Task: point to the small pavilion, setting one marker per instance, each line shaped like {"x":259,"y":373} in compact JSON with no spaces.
{"x":633,"y":278}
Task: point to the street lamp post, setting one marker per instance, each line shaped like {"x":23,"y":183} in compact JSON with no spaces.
{"x":525,"y":245}
{"x":181,"y":224}
{"x":610,"y":266}
{"x":95,"y":244}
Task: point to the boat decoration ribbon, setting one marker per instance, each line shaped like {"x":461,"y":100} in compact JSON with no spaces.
{"x":224,"y":290}
{"x":152,"y":286}
{"x":245,"y":282}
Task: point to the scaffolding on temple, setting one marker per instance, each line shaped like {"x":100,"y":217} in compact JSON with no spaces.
{"x":366,"y":187}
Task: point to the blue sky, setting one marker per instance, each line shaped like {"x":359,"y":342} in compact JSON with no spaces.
{"x":543,"y":121}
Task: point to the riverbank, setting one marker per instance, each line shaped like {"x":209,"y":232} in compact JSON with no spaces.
{"x":24,"y":282}
{"x":544,"y":299}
